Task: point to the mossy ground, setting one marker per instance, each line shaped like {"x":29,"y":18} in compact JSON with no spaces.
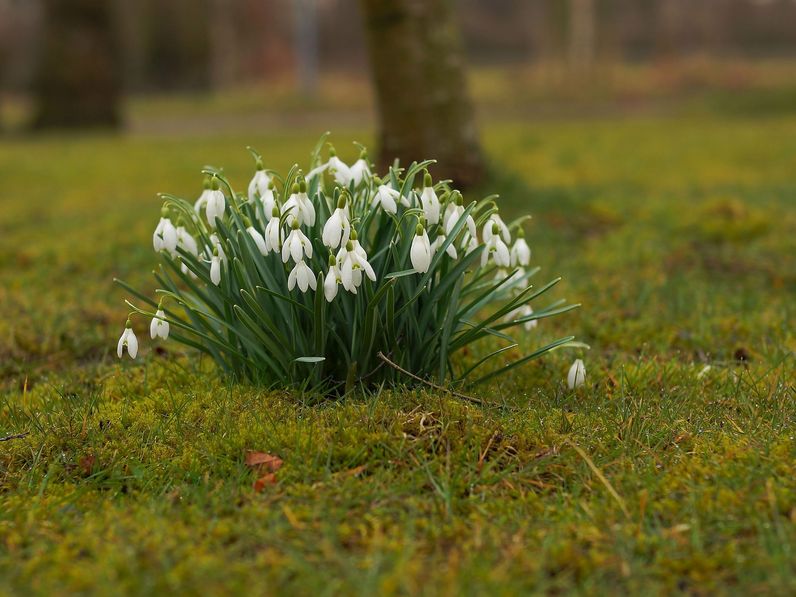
{"x":678,"y":235}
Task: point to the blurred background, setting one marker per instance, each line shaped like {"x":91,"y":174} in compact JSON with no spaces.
{"x":653,"y":141}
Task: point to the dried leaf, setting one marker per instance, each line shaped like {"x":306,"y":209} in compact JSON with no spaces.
{"x":264,"y":481}
{"x":87,"y":463}
{"x":261,"y":462}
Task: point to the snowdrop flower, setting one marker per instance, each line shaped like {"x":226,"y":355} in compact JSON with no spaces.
{"x":302,"y":275}
{"x":299,"y":207}
{"x":421,"y":251}
{"x":437,"y":244}
{"x":497,"y":248}
{"x":215,"y":268}
{"x":338,"y":227}
{"x":454,"y":211}
{"x":520,"y":251}
{"x":386,"y":196}
{"x":333,"y":278}
{"x":495,"y":220}
{"x":257,"y":238}
{"x":186,"y":242}
{"x":296,"y":245}
{"x":429,"y":200}
{"x":165,"y":235}
{"x":352,"y":261}
{"x":215,"y":205}
{"x":469,"y":243}
{"x":577,"y":374}
{"x":273,"y":231}
{"x":159,"y":327}
{"x":259,"y":184}
{"x":360,"y":170}
{"x":340,"y":170}
{"x":520,"y":313}
{"x":127,"y":340}
{"x":201,"y":202}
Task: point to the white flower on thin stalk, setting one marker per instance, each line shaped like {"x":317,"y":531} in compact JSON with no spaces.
{"x":352,"y":261}
{"x":273,"y":231}
{"x":299,"y":207}
{"x":454,"y":211}
{"x":430,"y":201}
{"x":332,"y":279}
{"x":187,"y":242}
{"x":302,"y":275}
{"x":215,"y":268}
{"x":421,"y":251}
{"x":215,"y":245}
{"x":339,"y":169}
{"x":577,"y":374}
{"x":215,"y":205}
{"x":258,"y":239}
{"x":469,"y":243}
{"x":165,"y":236}
{"x":489,"y":229}
{"x":520,"y":251}
{"x":338,"y":227}
{"x":496,"y":248}
{"x":521,"y":313}
{"x":438,"y":242}
{"x":258,"y":186}
{"x":159,"y":327}
{"x":297,"y":245}
{"x":127,"y":341}
{"x":201,"y":202}
{"x":360,"y":170}
{"x":386,"y":196}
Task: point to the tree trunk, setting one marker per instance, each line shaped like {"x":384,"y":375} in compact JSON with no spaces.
{"x":78,"y":82}
{"x":421,"y":91}
{"x":581,"y":34}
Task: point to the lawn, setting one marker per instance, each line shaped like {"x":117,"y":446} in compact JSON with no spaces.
{"x":671,"y":469}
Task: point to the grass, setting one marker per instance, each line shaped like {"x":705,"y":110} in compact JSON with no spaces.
{"x":659,"y":475}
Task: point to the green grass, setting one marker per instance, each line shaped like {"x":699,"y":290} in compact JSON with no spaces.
{"x":678,"y":237}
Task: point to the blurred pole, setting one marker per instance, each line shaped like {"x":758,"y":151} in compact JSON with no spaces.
{"x":581,"y":35}
{"x":424,"y":107}
{"x":306,"y":44}
{"x":79,"y":75}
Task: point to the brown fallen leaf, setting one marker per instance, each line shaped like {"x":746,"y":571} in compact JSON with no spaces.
{"x":264,"y":481}
{"x":260,"y":461}
{"x":87,"y":463}
{"x":354,"y":472}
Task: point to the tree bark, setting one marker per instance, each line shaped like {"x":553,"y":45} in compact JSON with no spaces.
{"x":78,"y":81}
{"x":421,"y":91}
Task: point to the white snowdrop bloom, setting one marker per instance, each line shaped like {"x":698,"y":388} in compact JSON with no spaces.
{"x":258,"y":240}
{"x":258,"y":186}
{"x":165,"y":236}
{"x":215,"y":205}
{"x":577,"y":374}
{"x":514,"y":278}
{"x":159,"y":327}
{"x":489,"y":229}
{"x":469,"y":243}
{"x":437,"y":245}
{"x":386,"y":196}
{"x":296,"y":245}
{"x":201,"y":202}
{"x":272,"y":232}
{"x":302,"y":275}
{"x":497,"y":249}
{"x":338,"y":227}
{"x":215,"y":269}
{"x":215,"y":245}
{"x":520,"y":251}
{"x":268,"y":200}
{"x":453,"y":212}
{"x":332,"y":279}
{"x":520,"y":313}
{"x":340,"y":170}
{"x":128,"y":341}
{"x":299,"y":207}
{"x":186,"y":270}
{"x":360,"y":170}
{"x":352,"y":261}
{"x":421,"y":252}
{"x":186,"y":242}
{"x":430,"y":202}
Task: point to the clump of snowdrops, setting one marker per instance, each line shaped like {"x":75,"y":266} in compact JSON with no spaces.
{"x":336,"y":276}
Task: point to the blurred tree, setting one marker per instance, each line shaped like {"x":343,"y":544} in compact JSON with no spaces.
{"x":306,"y":44}
{"x":421,"y":91}
{"x":78,"y":79}
{"x":581,"y":34}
